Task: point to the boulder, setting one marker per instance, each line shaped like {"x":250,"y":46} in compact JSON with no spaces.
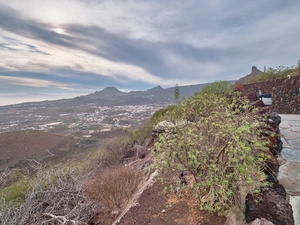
{"x":140,"y":151}
{"x":271,"y":204}
{"x":261,"y":221}
{"x":274,"y":120}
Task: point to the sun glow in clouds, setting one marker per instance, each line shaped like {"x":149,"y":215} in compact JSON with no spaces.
{"x":59,"y":30}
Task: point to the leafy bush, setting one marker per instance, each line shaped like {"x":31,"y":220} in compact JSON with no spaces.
{"x":218,"y":88}
{"x":14,"y":192}
{"x":220,"y":142}
{"x":112,"y":189}
{"x":159,"y":115}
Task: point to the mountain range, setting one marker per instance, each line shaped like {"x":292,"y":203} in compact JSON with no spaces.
{"x":111,"y":96}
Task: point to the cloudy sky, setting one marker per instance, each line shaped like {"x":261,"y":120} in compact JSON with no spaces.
{"x":61,"y":49}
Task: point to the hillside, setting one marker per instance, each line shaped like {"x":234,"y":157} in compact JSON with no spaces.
{"x":111,"y":96}
{"x":29,"y":144}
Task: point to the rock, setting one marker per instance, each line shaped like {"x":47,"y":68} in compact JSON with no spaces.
{"x":251,"y":95}
{"x":187,"y":178}
{"x":274,"y":205}
{"x":267,"y":110}
{"x":274,"y":144}
{"x":289,"y":177}
{"x":295,"y":143}
{"x":148,"y":142}
{"x":233,"y":218}
{"x":290,"y":155}
{"x":261,"y":221}
{"x":140,"y":151}
{"x":285,"y":125}
{"x":145,"y":165}
{"x":290,"y":134}
{"x":258,"y":103}
{"x":279,"y":144}
{"x":284,"y":143}
{"x":295,"y":202}
{"x":280,"y":160}
{"x":164,"y":125}
{"x":274,"y":120}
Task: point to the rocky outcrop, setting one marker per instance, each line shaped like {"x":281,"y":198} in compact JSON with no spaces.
{"x":140,"y":151}
{"x":271,"y":204}
{"x":254,"y":72}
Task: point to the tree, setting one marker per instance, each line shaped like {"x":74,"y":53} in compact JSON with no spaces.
{"x":176,"y":93}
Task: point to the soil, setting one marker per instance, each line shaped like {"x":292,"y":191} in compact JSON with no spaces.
{"x":156,"y":207}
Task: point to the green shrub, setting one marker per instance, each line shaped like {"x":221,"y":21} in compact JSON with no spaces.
{"x":219,"y":141}
{"x":159,"y":115}
{"x":218,"y":88}
{"x":15,"y":192}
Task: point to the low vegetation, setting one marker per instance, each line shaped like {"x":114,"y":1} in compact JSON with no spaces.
{"x":111,"y":190}
{"x":218,"y":88}
{"x":76,"y":191}
{"x":49,"y":197}
{"x":276,"y":73}
{"x":119,"y":148}
{"x":217,"y":138}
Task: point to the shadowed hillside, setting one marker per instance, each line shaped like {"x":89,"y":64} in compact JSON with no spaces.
{"x":30,"y":144}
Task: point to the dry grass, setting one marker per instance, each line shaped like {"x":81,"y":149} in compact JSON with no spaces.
{"x":112,"y":189}
{"x":50,"y":197}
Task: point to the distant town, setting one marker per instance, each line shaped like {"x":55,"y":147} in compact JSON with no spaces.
{"x":80,"y":120}
{"x":84,"y":115}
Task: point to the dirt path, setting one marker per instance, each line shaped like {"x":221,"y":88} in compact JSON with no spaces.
{"x":156,"y":207}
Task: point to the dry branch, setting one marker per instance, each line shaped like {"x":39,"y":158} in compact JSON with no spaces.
{"x":136,"y":196}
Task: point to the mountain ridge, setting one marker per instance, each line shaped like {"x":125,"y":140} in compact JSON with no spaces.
{"x":111,"y":95}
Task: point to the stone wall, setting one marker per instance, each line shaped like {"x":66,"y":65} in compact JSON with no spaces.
{"x":285,"y":93}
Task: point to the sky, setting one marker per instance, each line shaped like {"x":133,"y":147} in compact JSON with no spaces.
{"x":61,"y":49}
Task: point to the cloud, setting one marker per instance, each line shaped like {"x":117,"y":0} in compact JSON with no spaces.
{"x":21,"y":81}
{"x":136,"y":44}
